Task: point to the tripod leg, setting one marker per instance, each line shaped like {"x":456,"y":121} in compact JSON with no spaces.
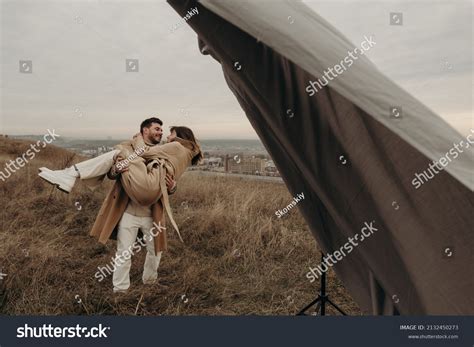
{"x":323,"y":305}
{"x":302,"y":312}
{"x":335,"y":306}
{"x":321,"y":299}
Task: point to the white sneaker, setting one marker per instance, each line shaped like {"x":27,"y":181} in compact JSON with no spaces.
{"x":61,"y":179}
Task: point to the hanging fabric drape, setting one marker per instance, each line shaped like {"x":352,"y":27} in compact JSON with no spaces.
{"x":353,"y":162}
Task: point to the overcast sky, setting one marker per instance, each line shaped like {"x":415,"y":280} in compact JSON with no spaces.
{"x":80,"y":88}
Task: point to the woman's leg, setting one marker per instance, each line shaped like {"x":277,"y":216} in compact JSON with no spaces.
{"x":91,"y":168}
{"x":97,"y":166}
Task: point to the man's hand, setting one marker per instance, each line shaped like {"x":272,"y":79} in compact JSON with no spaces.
{"x":170,"y":183}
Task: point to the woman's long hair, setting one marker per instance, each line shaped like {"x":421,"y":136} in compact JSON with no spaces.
{"x":187,"y":134}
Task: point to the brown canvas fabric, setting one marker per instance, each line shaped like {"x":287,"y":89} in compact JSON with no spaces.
{"x":352,"y":170}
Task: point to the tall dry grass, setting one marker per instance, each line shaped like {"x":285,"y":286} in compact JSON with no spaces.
{"x":237,"y":259}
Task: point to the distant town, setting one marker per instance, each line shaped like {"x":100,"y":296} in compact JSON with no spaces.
{"x":259,"y":165}
{"x":242,"y":157}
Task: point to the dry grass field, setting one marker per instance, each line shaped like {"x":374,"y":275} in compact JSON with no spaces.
{"x":237,"y":259}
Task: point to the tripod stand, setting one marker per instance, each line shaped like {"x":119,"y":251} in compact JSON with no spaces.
{"x":321,"y":299}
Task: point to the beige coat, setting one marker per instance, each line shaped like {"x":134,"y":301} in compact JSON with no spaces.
{"x":112,"y":210}
{"x":172,"y":158}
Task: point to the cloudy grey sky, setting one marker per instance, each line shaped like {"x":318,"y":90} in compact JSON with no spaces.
{"x":79,"y":85}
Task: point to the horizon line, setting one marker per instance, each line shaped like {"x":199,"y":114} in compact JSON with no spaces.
{"x":124,"y":138}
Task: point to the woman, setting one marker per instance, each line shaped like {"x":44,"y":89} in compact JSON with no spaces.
{"x":145,"y":179}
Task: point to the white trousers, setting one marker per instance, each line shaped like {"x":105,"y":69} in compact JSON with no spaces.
{"x":97,"y":166}
{"x":128,"y":245}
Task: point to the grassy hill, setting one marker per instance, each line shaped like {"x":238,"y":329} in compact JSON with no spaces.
{"x":237,"y":259}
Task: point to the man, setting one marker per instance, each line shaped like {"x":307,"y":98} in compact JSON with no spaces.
{"x":119,"y":216}
{"x":137,"y":217}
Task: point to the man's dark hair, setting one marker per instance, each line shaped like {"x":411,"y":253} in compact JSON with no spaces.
{"x":148,"y":122}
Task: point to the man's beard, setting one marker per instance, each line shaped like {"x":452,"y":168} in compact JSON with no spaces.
{"x":153,"y":140}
